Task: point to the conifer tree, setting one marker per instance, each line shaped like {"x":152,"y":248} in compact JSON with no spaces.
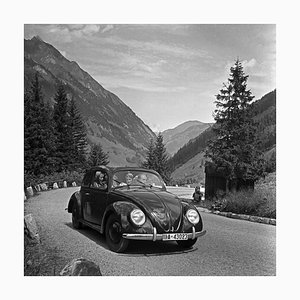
{"x":64,"y":138}
{"x":150,"y":158}
{"x":38,"y":135}
{"x":157,"y":158}
{"x":235,"y":151}
{"x":97,"y":156}
{"x":78,"y":133}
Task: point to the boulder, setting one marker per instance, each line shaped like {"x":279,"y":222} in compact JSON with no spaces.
{"x":74,"y":183}
{"x":81,"y":267}
{"x":29,"y":191}
{"x":55,"y":185}
{"x":272,"y":221}
{"x":244,"y":217}
{"x":44,"y":187}
{"x":65,"y":184}
{"x":254,"y":219}
{"x":38,"y":188}
{"x":30,"y":228}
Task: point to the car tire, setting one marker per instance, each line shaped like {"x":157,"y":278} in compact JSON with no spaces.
{"x":113,"y":234}
{"x":75,"y":222}
{"x":187,"y":243}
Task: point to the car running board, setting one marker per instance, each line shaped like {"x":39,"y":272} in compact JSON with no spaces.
{"x":91,"y":225}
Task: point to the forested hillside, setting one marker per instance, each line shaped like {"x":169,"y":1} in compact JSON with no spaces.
{"x":265,"y":116}
{"x":108,"y":120}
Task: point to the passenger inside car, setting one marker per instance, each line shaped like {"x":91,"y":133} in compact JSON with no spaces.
{"x":128,"y":179}
{"x":100,"y":180}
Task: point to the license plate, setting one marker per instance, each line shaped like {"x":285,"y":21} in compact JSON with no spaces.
{"x":174,"y":236}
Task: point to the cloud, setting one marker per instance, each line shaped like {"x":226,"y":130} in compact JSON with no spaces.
{"x":249,"y":64}
{"x":64,"y":53}
{"x":154,"y":47}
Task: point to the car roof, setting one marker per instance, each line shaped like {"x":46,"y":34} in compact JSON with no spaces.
{"x":115,"y":169}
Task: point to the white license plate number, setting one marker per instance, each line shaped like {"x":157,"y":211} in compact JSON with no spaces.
{"x":175,"y":236}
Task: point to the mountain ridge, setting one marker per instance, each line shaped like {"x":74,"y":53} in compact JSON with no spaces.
{"x":109,"y":121}
{"x":175,"y":138}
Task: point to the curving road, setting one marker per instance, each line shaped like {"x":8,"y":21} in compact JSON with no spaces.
{"x":230,"y":247}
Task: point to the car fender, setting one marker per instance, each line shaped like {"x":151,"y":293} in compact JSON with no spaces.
{"x":186,"y":223}
{"x":122,"y":209}
{"x":75,"y":199}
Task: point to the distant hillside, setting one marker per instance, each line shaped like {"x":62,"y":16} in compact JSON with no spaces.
{"x":185,"y":164}
{"x":265,"y":109}
{"x":176,"y":137}
{"x":108,"y":120}
{"x":192,"y":171}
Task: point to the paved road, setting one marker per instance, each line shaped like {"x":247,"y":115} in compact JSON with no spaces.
{"x":231,"y":247}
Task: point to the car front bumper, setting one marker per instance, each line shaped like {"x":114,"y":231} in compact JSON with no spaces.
{"x":159,"y":236}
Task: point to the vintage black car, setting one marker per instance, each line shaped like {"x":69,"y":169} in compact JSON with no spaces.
{"x":133,"y":204}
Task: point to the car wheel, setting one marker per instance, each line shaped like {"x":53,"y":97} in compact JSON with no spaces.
{"x":113,"y":233}
{"x":75,"y":222}
{"x":187,"y":243}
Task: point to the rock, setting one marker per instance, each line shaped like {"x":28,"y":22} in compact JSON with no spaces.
{"x":44,"y":187}
{"x":81,"y":267}
{"x":265,"y":220}
{"x":74,"y":183}
{"x":38,"y":188}
{"x":223,"y":213}
{"x":272,"y":221}
{"x":254,"y":219}
{"x":29,"y":191}
{"x":29,"y":262}
{"x":31,"y":228}
{"x":244,"y":217}
{"x":25,"y":198}
{"x":65,"y":184}
{"x":55,"y":185}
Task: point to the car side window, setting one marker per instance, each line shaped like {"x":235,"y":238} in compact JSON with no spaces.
{"x":86,"y":179}
{"x":99,"y":180}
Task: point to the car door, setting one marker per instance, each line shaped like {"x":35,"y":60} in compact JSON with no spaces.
{"x":97,"y":199}
{"x":85,"y":193}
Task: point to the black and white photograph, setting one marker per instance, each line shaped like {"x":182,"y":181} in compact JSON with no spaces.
{"x":148,"y":149}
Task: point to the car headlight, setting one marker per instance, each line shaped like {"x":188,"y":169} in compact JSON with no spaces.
{"x":193,"y":216}
{"x":138,"y":217}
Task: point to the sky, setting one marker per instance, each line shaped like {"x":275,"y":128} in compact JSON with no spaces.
{"x":167,"y":74}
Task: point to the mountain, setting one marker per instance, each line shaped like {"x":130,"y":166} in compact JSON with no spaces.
{"x":187,"y":163}
{"x":108,"y":120}
{"x":176,"y":137}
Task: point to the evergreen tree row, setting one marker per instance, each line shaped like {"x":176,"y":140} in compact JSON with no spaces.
{"x":55,"y":138}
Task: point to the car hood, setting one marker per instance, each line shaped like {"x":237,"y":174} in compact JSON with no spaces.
{"x":163,"y":208}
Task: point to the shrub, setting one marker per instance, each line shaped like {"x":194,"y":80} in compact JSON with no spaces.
{"x":260,"y":202}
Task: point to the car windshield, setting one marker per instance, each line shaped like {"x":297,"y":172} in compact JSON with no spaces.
{"x":133,"y":178}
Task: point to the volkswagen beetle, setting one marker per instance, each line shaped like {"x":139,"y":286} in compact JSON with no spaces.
{"x":128,"y":204}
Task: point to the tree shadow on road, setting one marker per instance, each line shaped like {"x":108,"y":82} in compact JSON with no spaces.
{"x":136,"y":248}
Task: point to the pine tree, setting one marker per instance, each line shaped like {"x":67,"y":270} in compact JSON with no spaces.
{"x":78,"y":133}
{"x":38,"y":135}
{"x":97,"y":156}
{"x":235,"y":151}
{"x":150,"y":158}
{"x":161,"y":159}
{"x":64,"y":138}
